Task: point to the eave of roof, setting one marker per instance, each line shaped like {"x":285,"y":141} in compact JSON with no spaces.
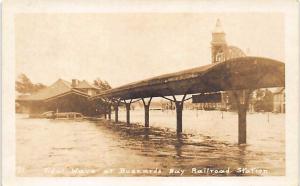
{"x":72,"y":91}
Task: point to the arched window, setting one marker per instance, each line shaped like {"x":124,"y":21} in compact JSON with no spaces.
{"x":220,"y":56}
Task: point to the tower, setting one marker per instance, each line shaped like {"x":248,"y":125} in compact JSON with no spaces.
{"x":218,"y":44}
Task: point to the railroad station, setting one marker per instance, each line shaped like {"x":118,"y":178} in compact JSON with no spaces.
{"x":229,"y":73}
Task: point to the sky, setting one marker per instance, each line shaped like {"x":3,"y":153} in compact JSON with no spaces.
{"x":125,"y":47}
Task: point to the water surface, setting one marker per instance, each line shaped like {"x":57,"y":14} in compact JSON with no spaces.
{"x":208,"y":146}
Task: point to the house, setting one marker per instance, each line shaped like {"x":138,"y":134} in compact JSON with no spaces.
{"x":62,"y":96}
{"x":85,"y":87}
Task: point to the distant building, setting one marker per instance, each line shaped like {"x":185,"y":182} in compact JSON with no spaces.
{"x":279,"y":100}
{"x":85,"y":87}
{"x":221,"y":51}
{"x":62,"y":96}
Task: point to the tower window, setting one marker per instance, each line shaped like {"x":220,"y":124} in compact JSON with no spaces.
{"x":219,"y":57}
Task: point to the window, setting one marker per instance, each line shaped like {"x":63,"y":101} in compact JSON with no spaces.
{"x":220,"y":56}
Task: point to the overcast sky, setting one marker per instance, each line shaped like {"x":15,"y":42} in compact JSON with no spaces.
{"x":122,"y":47}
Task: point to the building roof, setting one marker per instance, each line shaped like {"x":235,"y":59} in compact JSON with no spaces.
{"x":234,"y":52}
{"x":60,"y":87}
{"x":234,"y":74}
{"x":84,"y":85}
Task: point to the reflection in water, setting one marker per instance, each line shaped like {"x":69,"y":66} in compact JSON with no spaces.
{"x":146,"y":134}
{"x":242,"y":153}
{"x":106,"y":147}
{"x":179,"y":144}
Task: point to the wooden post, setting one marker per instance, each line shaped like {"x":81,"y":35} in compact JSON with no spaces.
{"x":127,"y":112}
{"x":109,"y":111}
{"x":179,"y":108}
{"x":127,"y":106}
{"x":105,"y":113}
{"x":116,"y":108}
{"x":242,"y":114}
{"x":242,"y":100}
{"x":147,"y":108}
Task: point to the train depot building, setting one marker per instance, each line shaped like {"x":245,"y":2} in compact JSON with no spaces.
{"x":231,"y":74}
{"x":62,"y":96}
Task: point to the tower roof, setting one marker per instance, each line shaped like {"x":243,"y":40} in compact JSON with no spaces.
{"x":218,"y":28}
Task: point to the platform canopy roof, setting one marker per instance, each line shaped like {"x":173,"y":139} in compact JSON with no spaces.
{"x":234,"y":74}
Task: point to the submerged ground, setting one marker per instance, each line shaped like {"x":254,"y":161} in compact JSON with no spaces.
{"x":101,"y":148}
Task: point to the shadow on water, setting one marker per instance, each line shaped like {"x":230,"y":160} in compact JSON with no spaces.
{"x":182,"y":151}
{"x":178,"y":145}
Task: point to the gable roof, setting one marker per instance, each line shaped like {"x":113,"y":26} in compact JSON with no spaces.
{"x":60,"y":87}
{"x":84,"y":84}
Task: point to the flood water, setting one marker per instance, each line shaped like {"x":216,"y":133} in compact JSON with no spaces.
{"x":207,"y":147}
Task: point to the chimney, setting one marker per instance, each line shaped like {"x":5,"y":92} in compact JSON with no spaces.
{"x":74,"y":83}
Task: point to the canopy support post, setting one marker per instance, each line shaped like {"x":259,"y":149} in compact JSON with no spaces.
{"x":242,"y":114}
{"x":109,"y":111}
{"x":242,"y":100}
{"x":179,"y":108}
{"x":147,"y":108}
{"x":127,"y":105}
{"x":105,"y":113}
{"x":116,"y":109}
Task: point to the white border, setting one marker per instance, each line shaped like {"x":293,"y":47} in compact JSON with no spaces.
{"x":290,"y":10}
